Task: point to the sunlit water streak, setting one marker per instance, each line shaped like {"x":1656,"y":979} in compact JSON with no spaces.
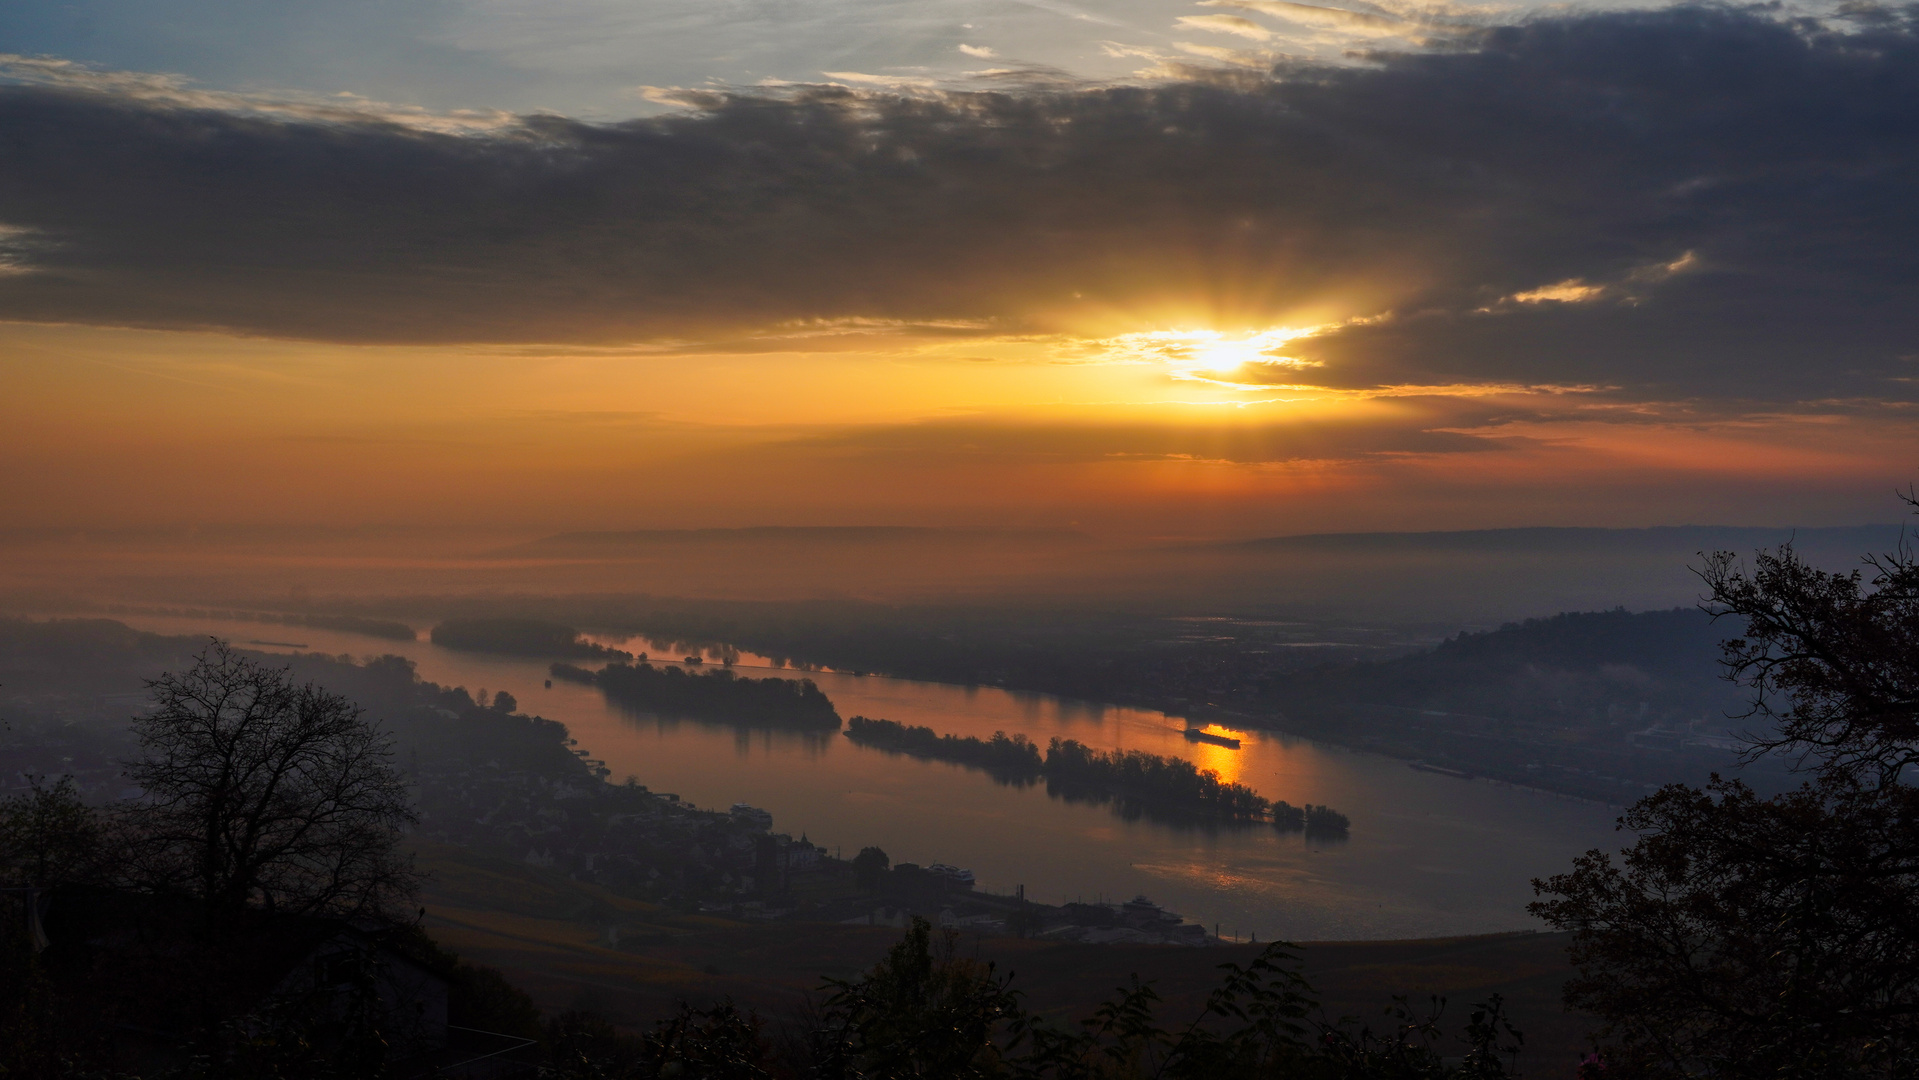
{"x":1428,"y":854}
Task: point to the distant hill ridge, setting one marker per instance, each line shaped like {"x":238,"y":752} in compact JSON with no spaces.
{"x":1535,"y":538}
{"x":819,"y":534}
{"x":1575,"y":668}
{"x":1856,"y":538}
{"x":1682,"y":642}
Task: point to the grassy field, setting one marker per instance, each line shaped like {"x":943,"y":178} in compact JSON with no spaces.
{"x":573,"y":945}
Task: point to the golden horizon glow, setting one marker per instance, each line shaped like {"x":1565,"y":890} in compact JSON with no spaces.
{"x":1185,"y":427}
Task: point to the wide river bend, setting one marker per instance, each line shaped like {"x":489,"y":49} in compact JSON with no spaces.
{"x":1428,"y":855}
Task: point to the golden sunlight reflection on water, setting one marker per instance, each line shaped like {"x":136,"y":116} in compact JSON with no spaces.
{"x":1222,"y":760}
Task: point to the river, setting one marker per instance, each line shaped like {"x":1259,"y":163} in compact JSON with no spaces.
{"x":1428,"y":855}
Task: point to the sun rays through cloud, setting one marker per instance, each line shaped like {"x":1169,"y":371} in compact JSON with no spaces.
{"x":1250,"y":247}
{"x":1249,"y":361}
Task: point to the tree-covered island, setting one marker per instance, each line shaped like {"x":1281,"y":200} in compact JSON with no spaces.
{"x":1012,"y":759}
{"x":712,"y":695}
{"x":1073,"y":770}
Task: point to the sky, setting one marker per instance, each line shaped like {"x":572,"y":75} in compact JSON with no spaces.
{"x":1213,"y":269}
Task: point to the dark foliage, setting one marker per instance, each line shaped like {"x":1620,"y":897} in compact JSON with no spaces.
{"x":927,"y":1011}
{"x":1314,"y":818}
{"x":1753,"y":937}
{"x":712,"y":695}
{"x":1410,"y":1049}
{"x":715,"y":1043}
{"x":1013,"y":759}
{"x":923,"y":1011}
{"x":49,"y":837}
{"x":1832,"y":660}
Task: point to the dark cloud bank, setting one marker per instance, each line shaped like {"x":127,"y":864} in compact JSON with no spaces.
{"x":1781,"y":155}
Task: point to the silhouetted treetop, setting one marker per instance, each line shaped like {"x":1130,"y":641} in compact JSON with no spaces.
{"x":261,"y":791}
{"x":1831,"y":659}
